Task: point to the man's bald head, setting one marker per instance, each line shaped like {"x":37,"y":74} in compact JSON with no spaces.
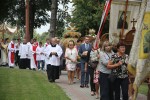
{"x":53,"y":41}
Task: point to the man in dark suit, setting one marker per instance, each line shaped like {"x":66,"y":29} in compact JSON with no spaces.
{"x":84,"y":53}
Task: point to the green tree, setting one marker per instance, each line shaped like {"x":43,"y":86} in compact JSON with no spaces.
{"x":43,"y":37}
{"x":87,"y":14}
{"x":58,"y":16}
{"x":13,"y":11}
{"x":5,"y":9}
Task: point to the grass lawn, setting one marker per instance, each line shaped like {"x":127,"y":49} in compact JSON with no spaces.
{"x":18,"y":84}
{"x":143,"y":89}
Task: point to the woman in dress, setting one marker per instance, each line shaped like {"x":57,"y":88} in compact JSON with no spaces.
{"x":71,"y":55}
{"x":94,"y":58}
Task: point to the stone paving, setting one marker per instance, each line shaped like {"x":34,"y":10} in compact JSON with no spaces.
{"x":76,"y":93}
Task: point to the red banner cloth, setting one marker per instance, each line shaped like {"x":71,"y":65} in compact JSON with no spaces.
{"x":34,"y":55}
{"x":103,"y":19}
{"x":12,"y":54}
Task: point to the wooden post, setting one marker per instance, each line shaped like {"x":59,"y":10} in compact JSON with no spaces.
{"x":27,"y":34}
{"x":122,"y":33}
{"x":3,"y":30}
{"x":18,"y":32}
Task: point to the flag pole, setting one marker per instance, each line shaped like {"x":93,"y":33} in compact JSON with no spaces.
{"x":122,"y":33}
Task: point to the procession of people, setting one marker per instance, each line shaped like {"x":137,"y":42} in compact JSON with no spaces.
{"x":103,"y":67}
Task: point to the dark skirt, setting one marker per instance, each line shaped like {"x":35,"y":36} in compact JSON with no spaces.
{"x":52,"y":72}
{"x":23,"y":63}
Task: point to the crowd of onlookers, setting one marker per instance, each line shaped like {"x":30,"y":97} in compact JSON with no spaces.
{"x":104,"y":67}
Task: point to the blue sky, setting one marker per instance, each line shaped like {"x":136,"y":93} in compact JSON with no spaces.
{"x":45,"y":28}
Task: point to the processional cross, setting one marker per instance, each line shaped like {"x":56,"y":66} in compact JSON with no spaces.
{"x":133,"y":21}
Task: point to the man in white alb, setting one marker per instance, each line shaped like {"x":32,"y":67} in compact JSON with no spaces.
{"x":53,"y":54}
{"x":23,"y":53}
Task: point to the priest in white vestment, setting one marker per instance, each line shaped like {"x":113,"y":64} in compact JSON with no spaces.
{"x":45,"y":46}
{"x":17,"y":57}
{"x":53,"y":54}
{"x":23,"y":53}
{"x":30,"y":55}
{"x":11,"y":54}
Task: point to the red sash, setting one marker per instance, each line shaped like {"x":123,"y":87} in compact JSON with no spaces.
{"x":37,"y":44}
{"x":46,"y":44}
{"x":34,"y":55}
{"x":12,"y":56}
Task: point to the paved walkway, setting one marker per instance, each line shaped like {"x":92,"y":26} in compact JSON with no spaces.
{"x":76,"y":93}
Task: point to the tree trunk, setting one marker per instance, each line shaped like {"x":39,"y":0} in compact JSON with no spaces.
{"x":53,"y":19}
{"x":32,"y":14}
{"x":27,"y":34}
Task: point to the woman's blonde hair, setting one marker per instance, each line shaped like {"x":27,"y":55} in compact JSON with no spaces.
{"x":72,"y":42}
{"x":106,"y":43}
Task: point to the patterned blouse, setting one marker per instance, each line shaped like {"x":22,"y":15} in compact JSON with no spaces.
{"x":93,"y":55}
{"x":121,"y":71}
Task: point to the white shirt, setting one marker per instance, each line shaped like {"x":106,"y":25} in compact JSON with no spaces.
{"x":40,"y":56}
{"x":53,"y":60}
{"x":29,"y":50}
{"x":17,"y":47}
{"x":45,"y":46}
{"x":23,"y":51}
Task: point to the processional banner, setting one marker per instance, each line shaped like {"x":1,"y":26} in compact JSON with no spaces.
{"x":145,"y":40}
{"x":140,"y":46}
{"x":117,"y":17}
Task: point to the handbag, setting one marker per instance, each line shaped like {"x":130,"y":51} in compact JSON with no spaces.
{"x":112,"y":77}
{"x":93,"y":64}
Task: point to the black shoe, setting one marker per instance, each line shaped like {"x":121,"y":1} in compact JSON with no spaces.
{"x":86,"y":86}
{"x":51,"y":80}
{"x":81,"y":86}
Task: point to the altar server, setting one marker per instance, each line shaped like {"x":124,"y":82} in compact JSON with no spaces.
{"x":53,"y":53}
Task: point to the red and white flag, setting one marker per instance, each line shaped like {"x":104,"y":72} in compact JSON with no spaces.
{"x":103,"y":19}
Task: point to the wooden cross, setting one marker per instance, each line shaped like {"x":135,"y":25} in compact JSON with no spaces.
{"x":133,"y":21}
